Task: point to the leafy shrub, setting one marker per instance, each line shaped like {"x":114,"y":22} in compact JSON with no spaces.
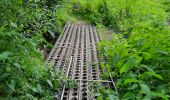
{"x":139,"y":63}
{"x":32,"y":17}
{"x":138,"y":55}
{"x":121,"y":15}
{"x":94,"y":11}
{"x":25,"y":26}
{"x":23,"y":73}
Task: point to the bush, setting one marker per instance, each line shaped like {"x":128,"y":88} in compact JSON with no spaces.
{"x":122,"y":15}
{"x":23,"y":74}
{"x":139,"y":63}
{"x":25,"y":28}
{"x":138,"y":54}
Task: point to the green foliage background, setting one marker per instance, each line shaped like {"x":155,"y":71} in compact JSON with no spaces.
{"x":138,"y":55}
{"x":25,"y":27}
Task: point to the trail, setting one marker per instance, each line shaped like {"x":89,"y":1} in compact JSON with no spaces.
{"x":75,"y":54}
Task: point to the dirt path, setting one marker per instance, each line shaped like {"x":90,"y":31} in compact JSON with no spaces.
{"x":75,"y":53}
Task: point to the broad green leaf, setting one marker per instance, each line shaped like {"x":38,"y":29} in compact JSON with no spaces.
{"x":31,"y":97}
{"x":34,"y":89}
{"x":117,"y":57}
{"x":100,"y":97}
{"x":145,"y":88}
{"x":39,"y":88}
{"x":146,"y":55}
{"x":12,"y":85}
{"x":5,"y":55}
{"x":148,"y":68}
{"x":161,"y":88}
{"x":17,"y":65}
{"x":128,"y":95}
{"x":157,"y":94}
{"x":132,"y":62}
{"x":154,"y":74}
{"x":147,"y":97}
{"x":111,"y":97}
{"x":50,"y":83}
{"x":13,"y":24}
{"x":134,"y":86}
{"x":37,"y":0}
{"x":146,"y":91}
{"x":130,"y":80}
{"x":4,"y":76}
{"x":124,"y":68}
{"x":163,"y":52}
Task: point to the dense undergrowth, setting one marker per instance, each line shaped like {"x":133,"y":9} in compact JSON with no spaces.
{"x":138,"y":56}
{"x":25,"y":30}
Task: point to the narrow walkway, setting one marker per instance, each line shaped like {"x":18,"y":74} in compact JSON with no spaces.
{"x":75,"y":53}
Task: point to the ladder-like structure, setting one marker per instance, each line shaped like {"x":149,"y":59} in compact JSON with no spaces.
{"x":75,"y":54}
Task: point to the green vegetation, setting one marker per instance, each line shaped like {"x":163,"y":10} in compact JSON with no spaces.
{"x":25,"y":27}
{"x":137,"y":56}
